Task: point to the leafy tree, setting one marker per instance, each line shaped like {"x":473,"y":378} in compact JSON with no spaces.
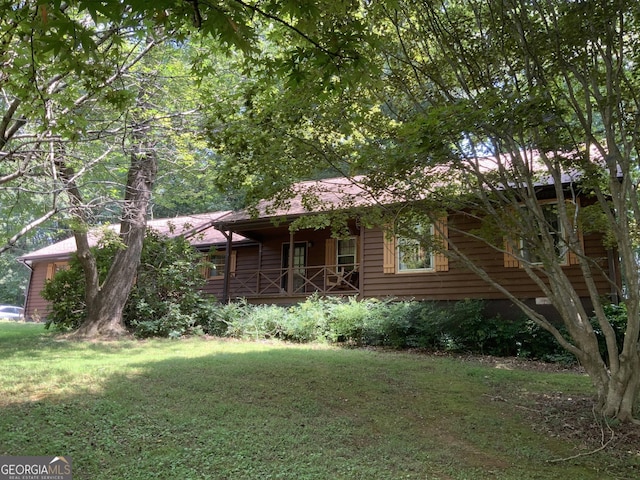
{"x":66,"y":63}
{"x":164,"y":300}
{"x":14,"y":280}
{"x":546,"y":90}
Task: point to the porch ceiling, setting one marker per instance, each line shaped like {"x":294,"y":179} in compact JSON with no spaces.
{"x":258,"y":229}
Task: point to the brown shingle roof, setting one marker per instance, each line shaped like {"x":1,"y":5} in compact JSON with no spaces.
{"x":343,"y":193}
{"x":197,"y":228}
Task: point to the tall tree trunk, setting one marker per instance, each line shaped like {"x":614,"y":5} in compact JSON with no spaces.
{"x":623,"y":388}
{"x":105,"y":303}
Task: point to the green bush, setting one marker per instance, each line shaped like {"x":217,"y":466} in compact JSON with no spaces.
{"x":538,"y":344}
{"x":173,"y":323}
{"x":395,"y":326}
{"x":165,"y":300}
{"x":66,"y":295}
{"x":349,"y":321}
{"x":213,"y":319}
{"x":308,"y":321}
{"x":471,"y":331}
{"x":451,"y":327}
{"x":243,"y":320}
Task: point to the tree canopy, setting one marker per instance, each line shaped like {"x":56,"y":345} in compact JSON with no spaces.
{"x":412,"y":94}
{"x":85,"y":103}
{"x":541,"y":90}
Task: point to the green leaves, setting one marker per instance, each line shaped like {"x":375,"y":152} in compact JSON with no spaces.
{"x":165,"y":298}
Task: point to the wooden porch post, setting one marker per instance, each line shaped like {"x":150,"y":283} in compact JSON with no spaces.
{"x":227,"y":267}
{"x":360,"y":261}
{"x":290,"y":265}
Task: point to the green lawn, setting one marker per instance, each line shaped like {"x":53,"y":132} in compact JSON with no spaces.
{"x":218,"y":409}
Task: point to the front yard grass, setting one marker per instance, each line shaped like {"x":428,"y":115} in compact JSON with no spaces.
{"x":203,"y":408}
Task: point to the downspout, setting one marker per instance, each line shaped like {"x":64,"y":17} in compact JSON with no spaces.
{"x":26,"y":293}
{"x":227,"y":267}
{"x":361,"y":265}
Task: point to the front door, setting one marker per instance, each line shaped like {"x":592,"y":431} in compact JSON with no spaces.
{"x":299,"y":266}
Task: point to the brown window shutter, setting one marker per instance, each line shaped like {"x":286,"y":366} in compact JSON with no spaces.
{"x":441,"y":234}
{"x":51,"y":269}
{"x":203,"y":268}
{"x":358,"y":250}
{"x":330,"y":252}
{"x":233,"y":261}
{"x":510,"y":260}
{"x":389,"y":252}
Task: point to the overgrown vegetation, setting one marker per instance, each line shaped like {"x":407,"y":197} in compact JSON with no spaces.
{"x":165,"y":300}
{"x":451,"y":327}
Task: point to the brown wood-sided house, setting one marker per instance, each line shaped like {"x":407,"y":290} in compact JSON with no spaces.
{"x":260,"y":259}
{"x":45,"y":262}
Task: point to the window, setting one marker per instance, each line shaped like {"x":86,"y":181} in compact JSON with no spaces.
{"x":529,"y":248}
{"x":342,"y":253}
{"x":409,"y":255}
{"x":216,"y":265}
{"x":412,"y":255}
{"x":346,"y":254}
{"x":341,"y":257}
{"x":216,"y":269}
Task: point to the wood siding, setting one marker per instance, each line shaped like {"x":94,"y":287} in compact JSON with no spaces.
{"x":259,"y":276}
{"x":458,"y":282}
{"x":37,"y":307}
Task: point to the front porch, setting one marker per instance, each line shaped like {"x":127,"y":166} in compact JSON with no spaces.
{"x":296,"y":282}
{"x":281,"y":265}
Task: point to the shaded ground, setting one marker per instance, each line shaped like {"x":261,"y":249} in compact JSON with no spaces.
{"x":563,"y":416}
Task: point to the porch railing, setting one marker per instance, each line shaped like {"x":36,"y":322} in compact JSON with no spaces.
{"x":322,"y":279}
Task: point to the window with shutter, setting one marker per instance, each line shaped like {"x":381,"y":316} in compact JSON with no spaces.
{"x":411,"y":255}
{"x":527,"y":248}
{"x":217,"y":263}
{"x":54,"y":267}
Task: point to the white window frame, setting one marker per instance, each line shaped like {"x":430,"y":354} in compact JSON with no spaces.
{"x":351,"y":265}
{"x":404,"y":242}
{"x":217,"y":263}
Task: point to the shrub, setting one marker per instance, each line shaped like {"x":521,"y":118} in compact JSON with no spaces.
{"x":308,"y":321}
{"x":395,"y":325}
{"x":265,"y":321}
{"x":456,"y":326}
{"x":165,"y":300}
{"x":212,"y":317}
{"x":349,"y":321}
{"x":471,"y":331}
{"x":67,"y":297}
{"x":173,"y":323}
{"x":242,"y":320}
{"x":536,"y":343}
